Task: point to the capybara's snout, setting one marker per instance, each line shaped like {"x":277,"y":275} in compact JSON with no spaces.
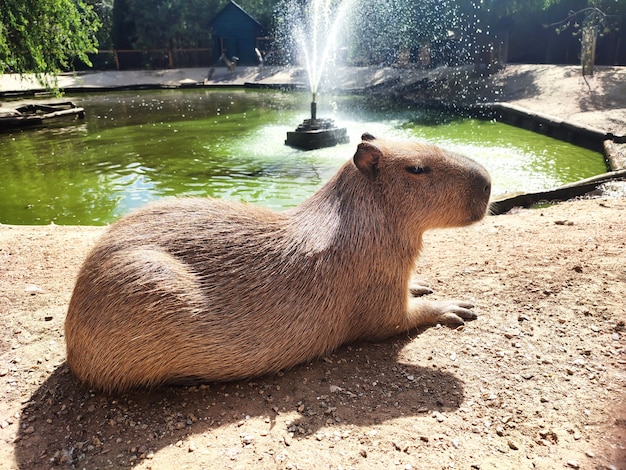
{"x":480,"y":191}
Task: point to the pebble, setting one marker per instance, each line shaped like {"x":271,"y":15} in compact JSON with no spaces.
{"x":192,"y":446}
{"x":247,"y":439}
{"x":573,"y":464}
{"x":513,"y":445}
{"x":32,"y":289}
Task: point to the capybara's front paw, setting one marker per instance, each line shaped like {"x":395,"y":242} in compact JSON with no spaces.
{"x":454,"y":312}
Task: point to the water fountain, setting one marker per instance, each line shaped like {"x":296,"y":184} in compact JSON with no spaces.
{"x":316,"y":32}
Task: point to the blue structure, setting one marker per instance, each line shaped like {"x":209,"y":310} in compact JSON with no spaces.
{"x":236,"y":34}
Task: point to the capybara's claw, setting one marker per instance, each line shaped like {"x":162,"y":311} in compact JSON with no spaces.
{"x":417,"y":290}
{"x":454,"y":313}
{"x":451,"y":319}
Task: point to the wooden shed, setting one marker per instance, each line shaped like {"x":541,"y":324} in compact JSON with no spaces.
{"x":236,"y":34}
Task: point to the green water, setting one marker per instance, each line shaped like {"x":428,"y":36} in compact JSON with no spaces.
{"x":134,"y":147}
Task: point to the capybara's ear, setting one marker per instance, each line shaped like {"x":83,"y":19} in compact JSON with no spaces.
{"x":366,"y":159}
{"x":367,"y":136}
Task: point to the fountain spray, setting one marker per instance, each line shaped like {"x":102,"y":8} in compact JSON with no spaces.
{"x":316,"y":35}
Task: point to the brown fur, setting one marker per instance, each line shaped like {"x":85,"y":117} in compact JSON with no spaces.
{"x":215,"y":290}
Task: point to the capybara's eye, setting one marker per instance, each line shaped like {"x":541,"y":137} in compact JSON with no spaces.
{"x":418,"y":170}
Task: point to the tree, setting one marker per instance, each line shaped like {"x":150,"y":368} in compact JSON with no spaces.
{"x":589,"y":22}
{"x":162,"y":24}
{"x":104,"y":11}
{"x":44,"y":36}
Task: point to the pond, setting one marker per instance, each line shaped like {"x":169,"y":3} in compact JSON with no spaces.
{"x":134,"y":147}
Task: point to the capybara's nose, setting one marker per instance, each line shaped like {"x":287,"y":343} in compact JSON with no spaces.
{"x":487,"y":189}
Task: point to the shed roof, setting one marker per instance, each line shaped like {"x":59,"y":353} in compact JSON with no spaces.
{"x":233,"y":7}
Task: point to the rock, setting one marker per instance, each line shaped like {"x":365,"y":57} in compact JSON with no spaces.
{"x":33,"y":289}
{"x":512,"y":445}
{"x":247,"y":439}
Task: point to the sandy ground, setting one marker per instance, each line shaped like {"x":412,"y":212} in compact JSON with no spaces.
{"x":537,"y":381}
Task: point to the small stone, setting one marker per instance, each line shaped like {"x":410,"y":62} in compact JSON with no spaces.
{"x":573,"y":464}
{"x":247,"y":439}
{"x":335,"y":389}
{"x":66,"y":456}
{"x":32,"y":289}
{"x":29,"y":430}
{"x":4,"y":424}
{"x":191,"y":447}
{"x":590,"y":454}
{"x":513,"y":445}
{"x":363,"y":453}
{"x":410,"y":377}
{"x":287,"y":439}
{"x":615,"y":336}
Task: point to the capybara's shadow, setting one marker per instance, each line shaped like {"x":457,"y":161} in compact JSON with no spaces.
{"x":361,"y":384}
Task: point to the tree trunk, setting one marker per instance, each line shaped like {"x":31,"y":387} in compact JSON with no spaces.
{"x":588,"y":49}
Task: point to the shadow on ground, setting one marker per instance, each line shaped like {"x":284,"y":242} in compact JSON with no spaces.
{"x":362,"y":384}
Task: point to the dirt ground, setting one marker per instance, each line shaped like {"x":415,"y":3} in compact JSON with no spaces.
{"x":537,"y":381}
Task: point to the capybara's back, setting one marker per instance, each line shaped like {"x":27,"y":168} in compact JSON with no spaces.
{"x":210,"y":290}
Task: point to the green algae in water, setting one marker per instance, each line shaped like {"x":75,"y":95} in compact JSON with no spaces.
{"x":136,"y":147}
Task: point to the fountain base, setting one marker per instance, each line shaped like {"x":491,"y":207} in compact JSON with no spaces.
{"x":317,"y":133}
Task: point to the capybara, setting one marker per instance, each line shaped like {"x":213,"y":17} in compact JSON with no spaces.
{"x":198,"y":289}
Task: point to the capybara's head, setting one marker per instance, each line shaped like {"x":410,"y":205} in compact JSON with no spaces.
{"x":430,"y":186}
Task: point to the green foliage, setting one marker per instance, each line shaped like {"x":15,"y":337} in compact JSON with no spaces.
{"x":174,"y":24}
{"x":381,"y":30}
{"x":104,"y":11}
{"x":171,"y":24}
{"x":44,"y":36}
